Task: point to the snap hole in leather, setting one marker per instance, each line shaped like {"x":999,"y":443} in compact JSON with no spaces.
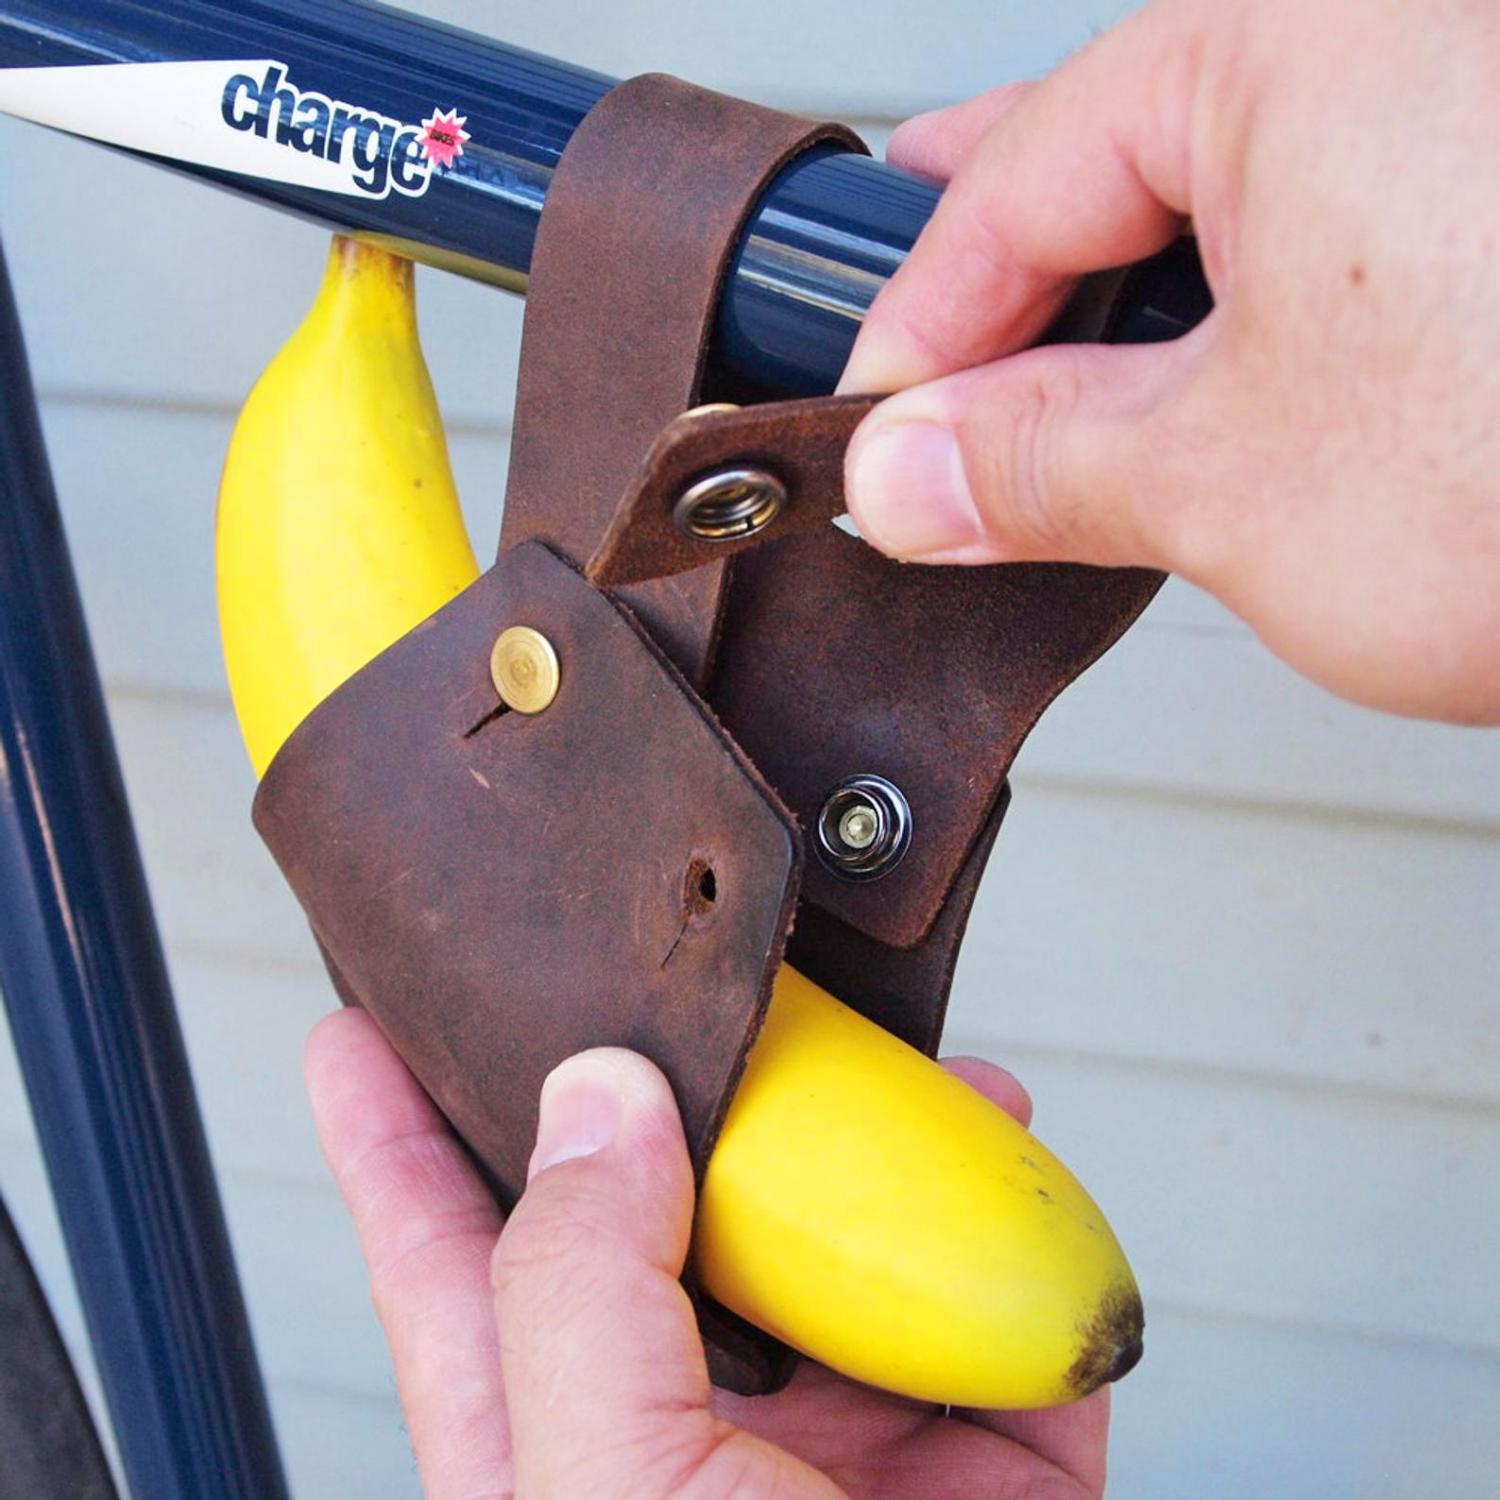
{"x":700,"y":889}
{"x":730,"y":503}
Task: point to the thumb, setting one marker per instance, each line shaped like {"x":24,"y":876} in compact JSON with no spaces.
{"x":1058,"y":454}
{"x":605,"y":1376}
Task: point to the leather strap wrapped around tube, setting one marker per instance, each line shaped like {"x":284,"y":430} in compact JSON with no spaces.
{"x":641,"y":222}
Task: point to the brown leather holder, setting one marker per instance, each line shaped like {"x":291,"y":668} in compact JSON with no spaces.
{"x":500,"y":890}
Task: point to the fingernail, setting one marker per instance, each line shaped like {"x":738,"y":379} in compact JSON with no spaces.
{"x":580,"y":1112}
{"x":909,"y":494}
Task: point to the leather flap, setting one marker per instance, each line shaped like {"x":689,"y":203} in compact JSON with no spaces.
{"x":798,"y":445}
{"x":501,"y":890}
{"x":836,"y":661}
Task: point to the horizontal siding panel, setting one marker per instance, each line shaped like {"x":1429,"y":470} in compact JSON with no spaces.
{"x":190,"y":785}
{"x":299,"y":1262}
{"x":245,"y":1029}
{"x":138,"y":491}
{"x":1324,"y":953}
{"x":1359,"y":1215}
{"x":306,"y":1286}
{"x":1308,"y":953}
{"x":1189,"y":701}
{"x":1234,"y":1407}
{"x":1239,"y":1410}
{"x":1364,"y":1215}
{"x":1251,"y":1201}
{"x":886,"y":58}
{"x":1350,"y":952}
{"x":1343,"y":951}
{"x":335,"y":1441}
{"x":336,"y":1445}
{"x":1229,"y":1409}
{"x":130,"y":518}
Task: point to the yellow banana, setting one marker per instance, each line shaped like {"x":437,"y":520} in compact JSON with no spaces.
{"x":873,"y":1210}
{"x":339,"y":528}
{"x":862,"y":1203}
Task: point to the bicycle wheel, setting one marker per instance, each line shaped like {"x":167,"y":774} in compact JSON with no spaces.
{"x":49,"y":1449}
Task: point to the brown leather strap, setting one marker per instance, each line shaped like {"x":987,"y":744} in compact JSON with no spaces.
{"x":835,"y":661}
{"x":905,"y":990}
{"x":642,"y":216}
{"x":499,"y":890}
{"x":929,"y":677}
{"x":798,"y":446}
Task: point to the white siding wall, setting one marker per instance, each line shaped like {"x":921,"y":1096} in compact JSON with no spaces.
{"x":1240,"y":940}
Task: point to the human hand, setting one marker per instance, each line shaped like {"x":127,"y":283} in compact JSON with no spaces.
{"x":563,"y":1362}
{"x":1323,"y":452}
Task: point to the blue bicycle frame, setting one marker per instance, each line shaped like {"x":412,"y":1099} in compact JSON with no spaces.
{"x":442,"y":144}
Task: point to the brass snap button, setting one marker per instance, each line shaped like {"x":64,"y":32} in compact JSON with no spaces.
{"x":524,"y":669}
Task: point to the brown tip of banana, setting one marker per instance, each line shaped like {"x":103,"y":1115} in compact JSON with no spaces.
{"x":1112,"y":1345}
{"x":366,"y":255}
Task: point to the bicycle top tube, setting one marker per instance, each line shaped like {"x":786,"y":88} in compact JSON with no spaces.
{"x":442,"y":143}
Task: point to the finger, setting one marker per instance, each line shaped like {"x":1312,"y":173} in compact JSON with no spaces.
{"x":873,"y":1444}
{"x":1073,"y":1437}
{"x":934,"y":144}
{"x":1070,"y":452}
{"x":1087,"y":170}
{"x":996,"y":1084}
{"x":597,"y":1336}
{"x":427,"y":1227}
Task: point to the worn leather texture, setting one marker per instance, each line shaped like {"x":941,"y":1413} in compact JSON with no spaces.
{"x":835,"y":661}
{"x":500,"y":890}
{"x":930,"y":677}
{"x":642,"y":218}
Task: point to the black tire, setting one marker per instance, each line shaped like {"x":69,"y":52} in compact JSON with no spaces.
{"x":49,"y":1449}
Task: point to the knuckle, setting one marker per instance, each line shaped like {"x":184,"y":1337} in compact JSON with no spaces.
{"x":418,"y":1213}
{"x":543,"y":1236}
{"x":1022,"y":472}
{"x":446,"y":1253}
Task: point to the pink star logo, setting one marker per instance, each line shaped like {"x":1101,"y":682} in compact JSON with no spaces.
{"x":443,"y":136}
